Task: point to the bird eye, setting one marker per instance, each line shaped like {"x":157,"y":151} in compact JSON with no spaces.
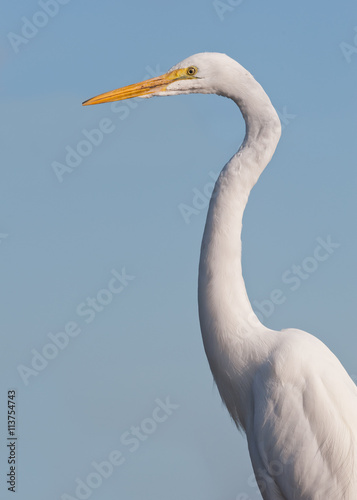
{"x":192,"y":70}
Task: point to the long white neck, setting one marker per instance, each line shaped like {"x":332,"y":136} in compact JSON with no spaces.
{"x":226,"y":316}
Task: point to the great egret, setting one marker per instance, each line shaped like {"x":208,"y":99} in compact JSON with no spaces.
{"x":285,"y":389}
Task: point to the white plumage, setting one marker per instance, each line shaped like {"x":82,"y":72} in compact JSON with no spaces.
{"x":285,"y":389}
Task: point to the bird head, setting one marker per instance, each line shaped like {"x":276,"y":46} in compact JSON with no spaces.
{"x":199,"y":73}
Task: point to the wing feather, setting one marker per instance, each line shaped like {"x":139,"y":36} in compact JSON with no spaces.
{"x":303,"y":436}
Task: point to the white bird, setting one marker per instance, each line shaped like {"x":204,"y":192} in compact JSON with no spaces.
{"x":285,"y":389}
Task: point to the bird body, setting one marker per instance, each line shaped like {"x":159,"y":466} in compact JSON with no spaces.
{"x":285,"y":389}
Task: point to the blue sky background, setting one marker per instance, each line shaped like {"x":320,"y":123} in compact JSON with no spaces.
{"x":120,"y":208}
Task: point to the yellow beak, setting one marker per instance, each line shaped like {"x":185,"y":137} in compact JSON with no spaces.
{"x":146,"y":88}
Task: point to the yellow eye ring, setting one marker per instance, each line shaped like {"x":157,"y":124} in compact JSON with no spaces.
{"x":192,"y":70}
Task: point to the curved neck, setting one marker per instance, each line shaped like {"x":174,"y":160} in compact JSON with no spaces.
{"x":224,"y":307}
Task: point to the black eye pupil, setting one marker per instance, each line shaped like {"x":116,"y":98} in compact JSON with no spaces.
{"x":191,"y":71}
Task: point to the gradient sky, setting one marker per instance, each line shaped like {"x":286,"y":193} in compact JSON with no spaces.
{"x":118,"y":212}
